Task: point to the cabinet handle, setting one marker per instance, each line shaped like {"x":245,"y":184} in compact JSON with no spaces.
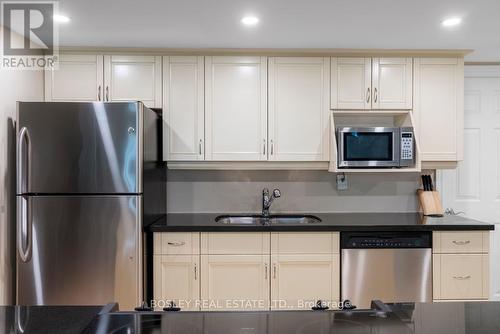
{"x":461,"y":243}
{"x":107,"y":93}
{"x":265,"y":270}
{"x":375,"y":92}
{"x":274,"y":270}
{"x":99,"y":93}
{"x":195,"y":272}
{"x":199,"y":146}
{"x":461,"y":278}
{"x":264,"y":147}
{"x":368,"y":95}
{"x":272,"y":147}
{"x":176,"y":243}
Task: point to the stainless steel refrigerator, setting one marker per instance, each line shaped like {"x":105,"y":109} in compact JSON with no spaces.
{"x":89,"y":177}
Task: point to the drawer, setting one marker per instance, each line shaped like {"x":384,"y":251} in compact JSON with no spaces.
{"x":235,"y":243}
{"x":305,"y":243}
{"x":461,"y":242}
{"x":461,"y":276}
{"x":176,"y":243}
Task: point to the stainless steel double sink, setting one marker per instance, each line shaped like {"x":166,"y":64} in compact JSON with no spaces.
{"x":268,"y":220}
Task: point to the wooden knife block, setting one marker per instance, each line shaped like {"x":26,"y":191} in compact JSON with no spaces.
{"x":430,"y":203}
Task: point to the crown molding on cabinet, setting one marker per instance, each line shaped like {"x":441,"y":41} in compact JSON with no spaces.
{"x":317,"y":52}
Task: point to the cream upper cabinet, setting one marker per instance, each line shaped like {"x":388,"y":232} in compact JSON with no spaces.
{"x":176,"y":278}
{"x":439,"y":108}
{"x":366,"y":83}
{"x":299,"y":108}
{"x":235,"y":282}
{"x":392,"y":83}
{"x":236,"y":108}
{"x":183,"y":108}
{"x":351,"y":83}
{"x":133,"y":78}
{"x":299,"y":280}
{"x":77,"y":78}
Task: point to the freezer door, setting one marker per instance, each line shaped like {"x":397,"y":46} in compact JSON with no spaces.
{"x":79,"y":147}
{"x":84,"y":251}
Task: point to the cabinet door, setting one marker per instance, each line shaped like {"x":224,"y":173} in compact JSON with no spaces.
{"x":392,"y":80}
{"x":236,"y":108}
{"x":461,"y":276}
{"x":299,"y":280}
{"x":351,"y":83}
{"x":133,"y":78}
{"x":176,"y":278}
{"x":183,"y":108}
{"x":438,"y":108}
{"x":298,"y":108}
{"x":235,"y":282}
{"x":77,"y":78}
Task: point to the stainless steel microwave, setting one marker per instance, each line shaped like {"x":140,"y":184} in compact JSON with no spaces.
{"x":375,"y":147}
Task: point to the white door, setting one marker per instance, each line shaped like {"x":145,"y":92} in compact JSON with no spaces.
{"x":133,"y":78}
{"x":176,"y":278}
{"x":236,"y":108}
{"x":392,"y":83}
{"x":351,"y":80}
{"x":77,"y":78}
{"x":474,"y":187}
{"x":299,"y":280}
{"x":438,"y":108}
{"x":235,"y":282}
{"x":299,"y":108}
{"x":183,"y":108}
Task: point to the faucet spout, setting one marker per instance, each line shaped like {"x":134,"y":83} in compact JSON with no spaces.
{"x":267,"y":200}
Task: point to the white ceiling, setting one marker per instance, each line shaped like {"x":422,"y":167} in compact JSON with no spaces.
{"x":396,"y":24}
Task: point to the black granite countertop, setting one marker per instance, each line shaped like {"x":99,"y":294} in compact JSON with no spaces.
{"x":49,"y":319}
{"x":402,"y":318}
{"x":205,"y":222}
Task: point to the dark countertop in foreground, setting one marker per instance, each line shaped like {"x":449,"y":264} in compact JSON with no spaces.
{"x":205,"y":222}
{"x":405,"y":318}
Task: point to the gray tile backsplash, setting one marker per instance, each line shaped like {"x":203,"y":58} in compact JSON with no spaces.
{"x":302,"y":191}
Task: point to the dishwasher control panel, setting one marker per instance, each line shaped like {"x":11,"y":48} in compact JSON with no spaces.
{"x":386,"y":240}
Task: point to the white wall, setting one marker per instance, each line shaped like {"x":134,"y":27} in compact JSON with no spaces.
{"x":15,"y":85}
{"x":302,"y":191}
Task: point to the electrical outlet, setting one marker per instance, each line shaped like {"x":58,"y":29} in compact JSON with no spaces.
{"x":342,"y":183}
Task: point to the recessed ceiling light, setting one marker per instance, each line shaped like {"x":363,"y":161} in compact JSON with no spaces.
{"x":250,"y":20}
{"x":61,"y":18}
{"x":451,"y":22}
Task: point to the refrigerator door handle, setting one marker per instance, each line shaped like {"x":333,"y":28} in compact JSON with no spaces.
{"x":24,"y":228}
{"x":23,"y":161}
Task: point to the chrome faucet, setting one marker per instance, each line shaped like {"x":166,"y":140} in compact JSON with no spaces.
{"x":268,"y":199}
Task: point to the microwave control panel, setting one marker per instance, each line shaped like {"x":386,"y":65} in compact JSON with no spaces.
{"x":407,"y":147}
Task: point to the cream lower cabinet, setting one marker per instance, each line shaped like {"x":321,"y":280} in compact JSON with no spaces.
{"x":176,"y":278}
{"x":176,"y":270}
{"x":235,"y":282}
{"x":460,"y":265}
{"x":305,"y":267}
{"x":299,"y":280}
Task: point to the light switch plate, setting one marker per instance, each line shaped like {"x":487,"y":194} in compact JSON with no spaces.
{"x":342,"y":183}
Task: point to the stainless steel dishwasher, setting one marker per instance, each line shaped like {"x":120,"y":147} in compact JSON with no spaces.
{"x":389,"y":266}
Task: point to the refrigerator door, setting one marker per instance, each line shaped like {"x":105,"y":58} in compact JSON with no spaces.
{"x":79,"y":147}
{"x":83,"y":250}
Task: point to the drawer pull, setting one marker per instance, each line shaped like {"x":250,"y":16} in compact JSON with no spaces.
{"x":461,"y":243}
{"x":274,"y":270}
{"x":461,"y":278}
{"x":265,"y":270}
{"x":195,"y":272}
{"x":176,"y":243}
